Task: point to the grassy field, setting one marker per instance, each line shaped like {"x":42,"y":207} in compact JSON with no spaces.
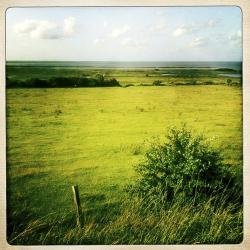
{"x":94,"y":137}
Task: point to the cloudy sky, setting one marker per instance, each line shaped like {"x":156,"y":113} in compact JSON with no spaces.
{"x":124,"y":34}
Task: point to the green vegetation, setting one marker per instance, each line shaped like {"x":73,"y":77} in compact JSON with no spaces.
{"x":157,"y":83}
{"x":180,"y":222}
{"x":184,"y":165}
{"x":62,"y":82}
{"x":94,"y":137}
{"x":126,"y":77}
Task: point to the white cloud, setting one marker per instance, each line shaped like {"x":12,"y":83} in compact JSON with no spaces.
{"x":236,"y":37}
{"x":212,"y":23}
{"x":99,"y":41}
{"x":105,"y":24}
{"x":160,"y":12}
{"x":120,"y":31}
{"x":161,"y":25}
{"x":38,"y":29}
{"x":26,"y":26}
{"x":130,"y":42}
{"x":199,"y":42}
{"x":44,"y":29}
{"x":191,"y":28}
{"x":184,"y":29}
{"x":69,"y":26}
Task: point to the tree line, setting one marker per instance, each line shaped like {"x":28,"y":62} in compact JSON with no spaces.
{"x":62,"y":82}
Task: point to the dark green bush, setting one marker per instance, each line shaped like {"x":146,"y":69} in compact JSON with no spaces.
{"x":157,"y":83}
{"x":184,"y":164}
{"x":128,"y":85}
{"x":192,"y":82}
{"x":62,"y":82}
{"x":208,"y":83}
{"x":99,"y":77}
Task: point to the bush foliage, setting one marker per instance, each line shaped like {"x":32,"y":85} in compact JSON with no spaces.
{"x":184,"y":164}
{"x":157,"y":83}
{"x":62,"y":82}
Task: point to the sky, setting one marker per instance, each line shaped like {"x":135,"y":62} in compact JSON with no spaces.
{"x":124,"y":34}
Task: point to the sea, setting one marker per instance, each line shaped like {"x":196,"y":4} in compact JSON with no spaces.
{"x":236,"y":65}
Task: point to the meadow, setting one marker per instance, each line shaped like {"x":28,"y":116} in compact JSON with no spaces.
{"x":93,"y":138}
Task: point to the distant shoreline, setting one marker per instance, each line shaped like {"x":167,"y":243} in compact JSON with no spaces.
{"x":235,"y":65}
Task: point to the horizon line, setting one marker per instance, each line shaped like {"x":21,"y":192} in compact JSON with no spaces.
{"x":121,"y":61}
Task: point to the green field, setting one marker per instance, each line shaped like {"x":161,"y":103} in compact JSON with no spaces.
{"x":93,"y":137}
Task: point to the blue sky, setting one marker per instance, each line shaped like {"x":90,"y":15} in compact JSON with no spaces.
{"x":124,"y":33}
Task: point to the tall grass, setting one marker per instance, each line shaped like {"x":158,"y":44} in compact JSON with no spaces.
{"x":180,"y":222}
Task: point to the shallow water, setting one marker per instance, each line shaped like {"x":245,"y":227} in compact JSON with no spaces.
{"x":168,"y":74}
{"x":231,"y":75}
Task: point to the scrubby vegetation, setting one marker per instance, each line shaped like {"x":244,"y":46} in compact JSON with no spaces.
{"x":186,"y":165}
{"x":29,"y":76}
{"x":228,"y":70}
{"x":62,"y":82}
{"x":157,"y":83}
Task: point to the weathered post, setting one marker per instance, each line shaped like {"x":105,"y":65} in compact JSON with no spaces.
{"x":77,"y":205}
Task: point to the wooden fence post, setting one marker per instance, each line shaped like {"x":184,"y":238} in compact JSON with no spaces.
{"x":77,"y":205}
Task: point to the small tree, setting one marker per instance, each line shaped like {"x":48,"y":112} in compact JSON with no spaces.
{"x":184,"y":164}
{"x":157,"y":83}
{"x":100,"y":78}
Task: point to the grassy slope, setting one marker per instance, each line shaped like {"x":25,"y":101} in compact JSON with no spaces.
{"x":94,"y":141}
{"x":97,"y":138}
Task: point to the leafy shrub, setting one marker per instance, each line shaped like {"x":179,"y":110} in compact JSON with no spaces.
{"x":99,"y":77}
{"x":128,"y":85}
{"x":140,"y":109}
{"x":58,"y":112}
{"x":179,"y":83}
{"x":144,"y":84}
{"x":192,"y":82}
{"x":136,"y":149}
{"x":157,"y":83}
{"x":208,"y":83}
{"x":111,"y":83}
{"x":184,"y":164}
